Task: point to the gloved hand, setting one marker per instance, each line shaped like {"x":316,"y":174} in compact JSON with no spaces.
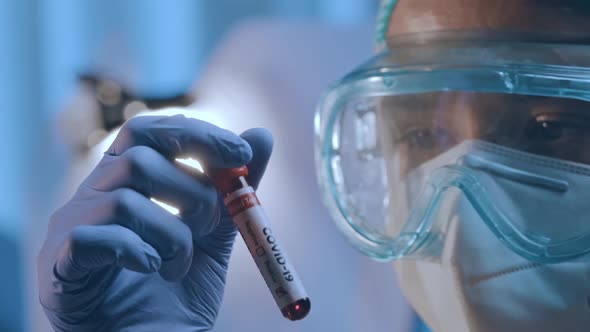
{"x":97,"y":265}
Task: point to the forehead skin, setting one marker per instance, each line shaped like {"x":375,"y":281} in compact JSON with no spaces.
{"x":535,"y":16}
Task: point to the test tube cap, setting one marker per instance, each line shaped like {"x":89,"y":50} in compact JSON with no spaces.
{"x":224,"y":178}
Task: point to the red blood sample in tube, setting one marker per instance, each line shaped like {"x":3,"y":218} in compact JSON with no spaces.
{"x":270,"y":258}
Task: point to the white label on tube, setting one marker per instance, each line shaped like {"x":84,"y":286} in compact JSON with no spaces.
{"x":279,"y":274}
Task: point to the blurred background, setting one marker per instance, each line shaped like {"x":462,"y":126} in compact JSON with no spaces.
{"x":71,"y":72}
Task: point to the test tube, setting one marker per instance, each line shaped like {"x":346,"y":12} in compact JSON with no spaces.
{"x":270,"y":258}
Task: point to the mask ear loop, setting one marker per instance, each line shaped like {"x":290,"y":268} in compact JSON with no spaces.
{"x":385,"y":11}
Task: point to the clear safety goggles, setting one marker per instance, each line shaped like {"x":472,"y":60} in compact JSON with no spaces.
{"x":507,"y":124}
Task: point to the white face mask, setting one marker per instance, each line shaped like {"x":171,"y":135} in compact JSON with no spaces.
{"x":480,"y":285}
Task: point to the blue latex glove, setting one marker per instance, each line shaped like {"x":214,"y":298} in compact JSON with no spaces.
{"x":97,"y":265}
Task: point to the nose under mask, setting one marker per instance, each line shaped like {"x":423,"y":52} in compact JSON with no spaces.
{"x":535,"y":205}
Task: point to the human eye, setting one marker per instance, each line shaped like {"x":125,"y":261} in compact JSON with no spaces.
{"x":418,"y":144}
{"x":424,"y":138}
{"x":558,"y":128}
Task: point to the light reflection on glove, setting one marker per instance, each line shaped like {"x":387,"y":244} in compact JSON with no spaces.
{"x":97,"y":265}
